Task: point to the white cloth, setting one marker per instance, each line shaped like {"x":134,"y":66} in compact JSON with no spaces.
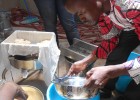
{"x":135,"y":71}
{"x":49,"y":57}
{"x":48,"y":52}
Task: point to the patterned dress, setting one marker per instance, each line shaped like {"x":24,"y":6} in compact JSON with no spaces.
{"x":126,"y":14}
{"x":109,"y":34}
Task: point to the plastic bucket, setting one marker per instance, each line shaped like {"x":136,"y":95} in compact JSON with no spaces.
{"x":53,"y":95}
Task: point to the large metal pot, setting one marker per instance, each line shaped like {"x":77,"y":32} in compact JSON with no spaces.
{"x":29,"y":62}
{"x":32,"y":92}
{"x":73,"y":88}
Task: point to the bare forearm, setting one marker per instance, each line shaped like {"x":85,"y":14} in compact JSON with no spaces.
{"x":117,"y":70}
{"x":89,"y":59}
{"x":131,"y":68}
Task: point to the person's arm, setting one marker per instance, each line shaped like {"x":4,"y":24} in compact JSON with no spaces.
{"x":98,"y":76}
{"x":80,"y":65}
{"x":89,"y":59}
{"x":11,"y":90}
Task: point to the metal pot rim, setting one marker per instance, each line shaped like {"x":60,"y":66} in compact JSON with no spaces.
{"x":39,"y":91}
{"x":23,"y":57}
{"x":73,"y":78}
{"x":72,"y":91}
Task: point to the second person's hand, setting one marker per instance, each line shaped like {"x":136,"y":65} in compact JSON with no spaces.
{"x":77,"y":67}
{"x":97,"y":77}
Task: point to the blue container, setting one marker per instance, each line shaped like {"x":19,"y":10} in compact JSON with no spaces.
{"x":53,"y":95}
{"x":124,"y":80}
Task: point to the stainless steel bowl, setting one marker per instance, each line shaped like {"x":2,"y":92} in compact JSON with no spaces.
{"x":73,"y":88}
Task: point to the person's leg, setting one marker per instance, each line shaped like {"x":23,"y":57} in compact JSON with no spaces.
{"x":68,"y":22}
{"x":128,"y":41}
{"x":47,"y":10}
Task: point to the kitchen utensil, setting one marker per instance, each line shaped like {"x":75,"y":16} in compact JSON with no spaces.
{"x":73,"y":88}
{"x":52,"y":94}
{"x":59,"y":80}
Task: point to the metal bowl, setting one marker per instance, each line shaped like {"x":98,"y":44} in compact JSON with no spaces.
{"x":32,"y":92}
{"x":73,"y":88}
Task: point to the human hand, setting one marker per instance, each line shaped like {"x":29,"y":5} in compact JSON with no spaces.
{"x":11,"y":90}
{"x":77,"y":67}
{"x":97,"y":77}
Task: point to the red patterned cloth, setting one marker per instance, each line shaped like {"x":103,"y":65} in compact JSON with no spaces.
{"x":125,"y":15}
{"x":109,"y":33}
